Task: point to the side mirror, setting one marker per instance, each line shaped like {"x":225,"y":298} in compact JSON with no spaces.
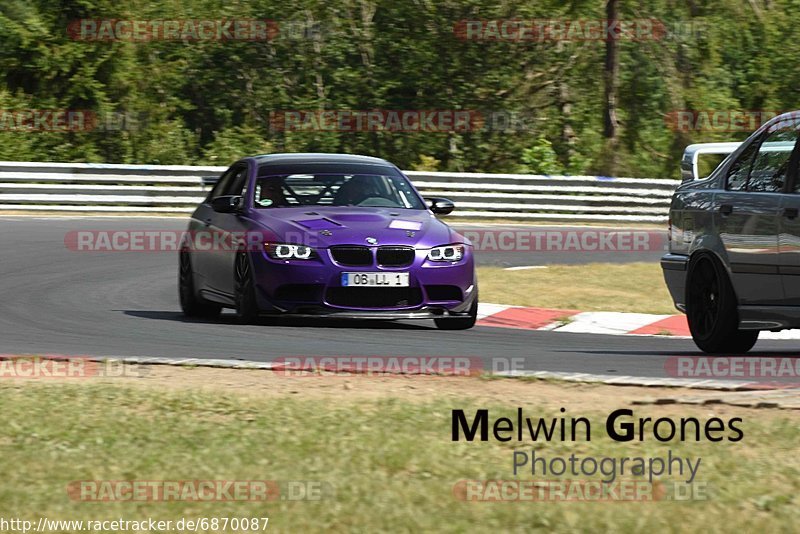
{"x":440,"y":206}
{"x":227,"y":204}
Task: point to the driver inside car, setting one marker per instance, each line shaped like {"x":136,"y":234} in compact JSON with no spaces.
{"x":357,"y":190}
{"x":272,"y":195}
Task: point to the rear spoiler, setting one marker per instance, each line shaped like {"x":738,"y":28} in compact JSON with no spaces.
{"x":689,"y":162}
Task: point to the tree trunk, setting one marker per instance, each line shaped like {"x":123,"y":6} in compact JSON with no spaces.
{"x":568,"y":137}
{"x":611,"y":75}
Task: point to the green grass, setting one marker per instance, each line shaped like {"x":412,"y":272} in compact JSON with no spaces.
{"x":623,"y":287}
{"x":391,"y":463}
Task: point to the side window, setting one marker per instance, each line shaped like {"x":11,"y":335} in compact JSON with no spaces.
{"x":237,"y":183}
{"x":221,"y":185}
{"x":771,"y":164}
{"x":740,"y":170}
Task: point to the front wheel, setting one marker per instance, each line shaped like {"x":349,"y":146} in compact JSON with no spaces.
{"x":247,"y":311}
{"x":191,"y":304}
{"x":460,"y":323}
{"x":711,"y":309}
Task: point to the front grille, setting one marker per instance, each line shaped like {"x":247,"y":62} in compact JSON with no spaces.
{"x":395,"y":256}
{"x":374,"y":297}
{"x":299,"y":292}
{"x":351,"y":255}
{"x":442,"y":292}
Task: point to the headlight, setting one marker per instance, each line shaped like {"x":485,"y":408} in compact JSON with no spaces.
{"x":446,"y":253}
{"x":281,"y":251}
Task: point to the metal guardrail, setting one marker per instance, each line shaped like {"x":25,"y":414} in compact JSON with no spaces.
{"x":111,"y":188}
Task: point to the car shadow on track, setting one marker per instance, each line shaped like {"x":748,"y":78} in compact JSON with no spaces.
{"x":694,"y":353}
{"x":322,"y":322}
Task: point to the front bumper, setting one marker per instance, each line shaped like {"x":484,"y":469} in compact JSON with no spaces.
{"x":382,"y":315}
{"x":674,"y":267}
{"x":313,"y":288}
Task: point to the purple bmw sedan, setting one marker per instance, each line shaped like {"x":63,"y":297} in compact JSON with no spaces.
{"x":325,"y":235}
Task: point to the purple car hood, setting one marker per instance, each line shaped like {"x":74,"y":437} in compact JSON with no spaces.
{"x":322,"y":227}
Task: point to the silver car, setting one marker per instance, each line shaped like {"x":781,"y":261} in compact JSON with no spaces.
{"x":734,"y":252}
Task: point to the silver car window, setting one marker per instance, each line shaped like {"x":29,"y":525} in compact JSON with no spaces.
{"x":771,"y":163}
{"x":740,"y":169}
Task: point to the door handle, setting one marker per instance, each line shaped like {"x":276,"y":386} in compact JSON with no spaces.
{"x":790,"y":213}
{"x":726,"y":209}
{"x":207,"y":222}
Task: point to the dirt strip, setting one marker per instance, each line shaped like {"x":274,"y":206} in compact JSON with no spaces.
{"x":544,"y":394}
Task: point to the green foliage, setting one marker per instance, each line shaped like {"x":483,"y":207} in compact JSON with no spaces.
{"x":541,"y":158}
{"x":167,"y":143}
{"x":426,"y":163}
{"x":211,"y":101}
{"x":230,"y":144}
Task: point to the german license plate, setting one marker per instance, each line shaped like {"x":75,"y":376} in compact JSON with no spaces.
{"x":375,"y":279}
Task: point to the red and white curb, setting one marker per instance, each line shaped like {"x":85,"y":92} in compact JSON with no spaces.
{"x":577,"y":322}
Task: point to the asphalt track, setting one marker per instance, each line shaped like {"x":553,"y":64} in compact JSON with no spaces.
{"x":56,"y":300}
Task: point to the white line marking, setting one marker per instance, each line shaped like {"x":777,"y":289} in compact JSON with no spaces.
{"x":609,"y":322}
{"x":525,"y":267}
{"x":486,"y":309}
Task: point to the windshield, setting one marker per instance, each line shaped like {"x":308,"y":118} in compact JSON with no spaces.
{"x":365,"y":190}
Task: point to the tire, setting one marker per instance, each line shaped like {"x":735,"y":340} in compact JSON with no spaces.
{"x":191,"y":304}
{"x":711,"y":309}
{"x":460,"y":323}
{"x":247,"y":311}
